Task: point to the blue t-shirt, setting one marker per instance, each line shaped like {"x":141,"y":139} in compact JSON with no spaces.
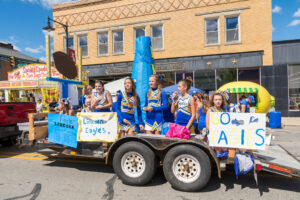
{"x":244,"y":102}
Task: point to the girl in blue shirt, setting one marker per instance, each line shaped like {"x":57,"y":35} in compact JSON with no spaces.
{"x":101,"y":99}
{"x":185,"y":105}
{"x":87,"y":92}
{"x":156,"y":102}
{"x":202,"y":113}
{"x":127,"y":101}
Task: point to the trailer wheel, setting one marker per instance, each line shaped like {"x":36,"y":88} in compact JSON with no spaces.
{"x":187,"y":168}
{"x":134,"y":163}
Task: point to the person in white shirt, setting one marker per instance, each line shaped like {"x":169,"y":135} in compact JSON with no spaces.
{"x":39,"y":106}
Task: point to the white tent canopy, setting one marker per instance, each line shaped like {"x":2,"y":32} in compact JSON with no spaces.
{"x":114,"y":86}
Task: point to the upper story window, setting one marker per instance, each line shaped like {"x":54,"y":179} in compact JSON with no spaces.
{"x":103,"y":44}
{"x":212,"y":31}
{"x":70,"y":43}
{"x":232,"y":29}
{"x":118,"y":47}
{"x":83,"y":43}
{"x":157,"y":37}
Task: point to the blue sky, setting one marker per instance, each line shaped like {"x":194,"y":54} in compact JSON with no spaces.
{"x":21,"y":23}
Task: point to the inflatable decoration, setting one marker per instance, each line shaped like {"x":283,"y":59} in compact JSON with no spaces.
{"x":143,"y":67}
{"x":264,"y":101}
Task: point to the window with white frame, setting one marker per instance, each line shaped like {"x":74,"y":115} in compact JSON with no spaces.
{"x":70,"y":43}
{"x":118,"y":46}
{"x":138,"y":32}
{"x":83,"y":43}
{"x":212,"y":31}
{"x":103,"y":44}
{"x":157,"y":37}
{"x":232,"y":29}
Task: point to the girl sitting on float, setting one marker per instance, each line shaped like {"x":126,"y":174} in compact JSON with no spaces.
{"x":101,"y":98}
{"x":217,"y":105}
{"x":155,"y":103}
{"x":185,"y":105}
{"x":87,"y":107}
{"x":127,"y":101}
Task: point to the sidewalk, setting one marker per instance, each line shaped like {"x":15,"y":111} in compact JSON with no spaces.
{"x":289,"y":138}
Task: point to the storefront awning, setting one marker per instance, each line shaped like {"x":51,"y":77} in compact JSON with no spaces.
{"x":242,"y":90}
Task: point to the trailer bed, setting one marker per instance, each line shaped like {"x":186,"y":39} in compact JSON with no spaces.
{"x":276,"y":159}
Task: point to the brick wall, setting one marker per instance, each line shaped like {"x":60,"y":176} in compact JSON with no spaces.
{"x":183,"y":25}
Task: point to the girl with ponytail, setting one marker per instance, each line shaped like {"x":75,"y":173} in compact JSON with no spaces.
{"x":185,"y":105}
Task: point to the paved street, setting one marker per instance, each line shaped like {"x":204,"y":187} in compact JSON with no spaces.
{"x":33,"y":173}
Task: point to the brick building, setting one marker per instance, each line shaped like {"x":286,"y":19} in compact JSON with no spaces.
{"x":215,"y":41}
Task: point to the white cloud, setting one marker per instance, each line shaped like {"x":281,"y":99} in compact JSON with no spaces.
{"x":12,"y":40}
{"x":47,"y":3}
{"x":277,"y":9}
{"x":35,"y":50}
{"x":48,"y":33}
{"x":43,"y":59}
{"x":297,"y":13}
{"x":296,"y":22}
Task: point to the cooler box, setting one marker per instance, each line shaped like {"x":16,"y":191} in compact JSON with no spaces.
{"x":275,"y":120}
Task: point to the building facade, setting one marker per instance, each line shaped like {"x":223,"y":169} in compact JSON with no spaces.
{"x":282,"y":79}
{"x":214,"y":41}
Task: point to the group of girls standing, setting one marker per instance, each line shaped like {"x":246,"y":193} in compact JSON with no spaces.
{"x":183,"y":107}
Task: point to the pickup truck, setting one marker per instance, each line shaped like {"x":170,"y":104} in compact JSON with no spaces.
{"x":10,"y":115}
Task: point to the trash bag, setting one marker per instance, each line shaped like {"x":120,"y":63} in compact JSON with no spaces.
{"x":244,"y":163}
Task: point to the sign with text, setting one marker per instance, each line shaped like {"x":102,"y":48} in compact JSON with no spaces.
{"x":98,"y":127}
{"x":237,"y":130}
{"x":62,"y":129}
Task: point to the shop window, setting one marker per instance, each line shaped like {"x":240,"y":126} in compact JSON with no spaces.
{"x":232,"y":29}
{"x":70,"y":43}
{"x":157,"y":37}
{"x":138,"y":32}
{"x":118,"y":47}
{"x":103,"y":44}
{"x":224,"y":76}
{"x":249,"y":74}
{"x":211,"y":31}
{"x":294,"y":87}
{"x":83,"y":43}
{"x":205,"y":80}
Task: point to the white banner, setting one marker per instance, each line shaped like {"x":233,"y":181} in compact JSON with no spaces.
{"x":237,"y":130}
{"x":98,"y":126}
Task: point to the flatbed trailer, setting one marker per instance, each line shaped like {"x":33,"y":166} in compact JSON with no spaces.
{"x":187,"y":164}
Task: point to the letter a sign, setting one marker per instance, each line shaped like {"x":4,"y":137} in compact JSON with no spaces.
{"x":237,"y":130}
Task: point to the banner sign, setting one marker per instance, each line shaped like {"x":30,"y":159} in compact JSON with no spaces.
{"x":237,"y":130}
{"x":98,"y":127}
{"x":32,"y":72}
{"x":62,"y":129}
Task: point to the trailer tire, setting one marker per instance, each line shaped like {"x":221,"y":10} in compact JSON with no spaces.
{"x":187,"y":168}
{"x":134,"y":163}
